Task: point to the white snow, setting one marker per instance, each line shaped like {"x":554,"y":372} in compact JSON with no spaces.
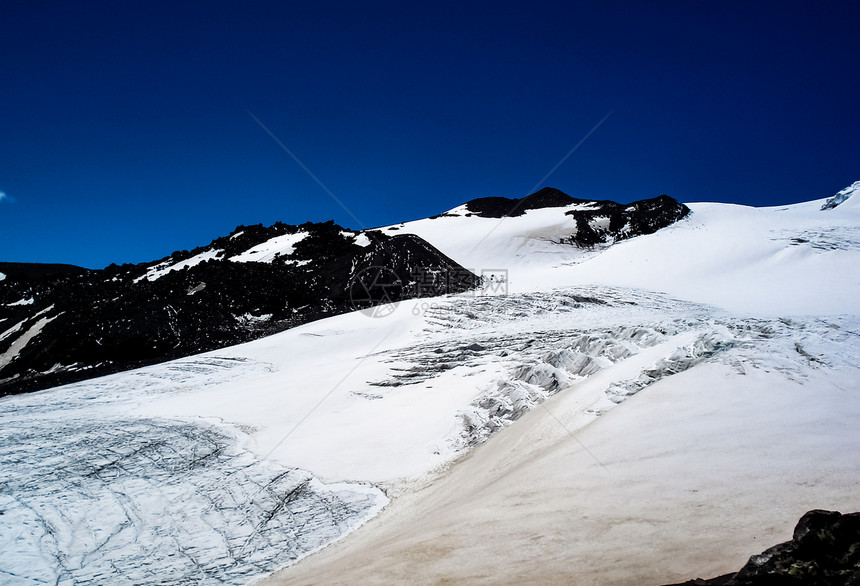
{"x":15,"y":348}
{"x":25,"y":301}
{"x":93,"y":492}
{"x":527,"y":241}
{"x":362,"y":240}
{"x":249,"y":318}
{"x":161,"y":269}
{"x":743,"y":259}
{"x":266,"y":251}
{"x":16,"y":328}
{"x":736,"y":257}
{"x":643,"y":413}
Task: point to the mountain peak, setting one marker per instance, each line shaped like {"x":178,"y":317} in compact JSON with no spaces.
{"x":498,"y":207}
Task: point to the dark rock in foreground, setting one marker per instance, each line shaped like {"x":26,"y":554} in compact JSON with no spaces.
{"x":825,"y":551}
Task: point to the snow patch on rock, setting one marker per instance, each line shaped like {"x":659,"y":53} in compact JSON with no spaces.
{"x":19,"y":344}
{"x":283,"y":245}
{"x":251,"y":319}
{"x":161,"y":269}
{"x":27,"y":301}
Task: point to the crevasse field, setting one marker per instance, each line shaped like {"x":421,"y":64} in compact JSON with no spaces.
{"x":645,"y":413}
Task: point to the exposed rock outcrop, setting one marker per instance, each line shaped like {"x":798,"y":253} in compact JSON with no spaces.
{"x":824,"y":551}
{"x":597,"y":222}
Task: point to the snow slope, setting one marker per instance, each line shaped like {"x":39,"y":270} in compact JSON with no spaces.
{"x":736,"y":257}
{"x":775,"y":261}
{"x":482,"y":244}
{"x":687,"y":478}
{"x":585,"y":427}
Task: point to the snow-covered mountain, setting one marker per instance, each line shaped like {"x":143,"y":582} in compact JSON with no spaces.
{"x":737,"y":257}
{"x":69,"y":324}
{"x":623,"y":411}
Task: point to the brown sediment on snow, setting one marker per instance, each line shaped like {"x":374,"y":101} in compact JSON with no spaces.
{"x":651,"y":493}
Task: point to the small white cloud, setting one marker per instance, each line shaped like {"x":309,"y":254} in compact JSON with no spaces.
{"x":6,"y":197}
{"x":2,"y":195}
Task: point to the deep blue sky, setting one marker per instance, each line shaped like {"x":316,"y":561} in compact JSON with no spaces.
{"x":125,"y":132}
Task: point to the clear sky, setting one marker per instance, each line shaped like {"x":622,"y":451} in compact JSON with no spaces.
{"x":125,"y":130}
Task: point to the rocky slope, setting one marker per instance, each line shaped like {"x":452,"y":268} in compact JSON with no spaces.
{"x":61,"y":326}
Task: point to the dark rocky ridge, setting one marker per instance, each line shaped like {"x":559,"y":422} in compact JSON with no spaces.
{"x":115,"y":319}
{"x":498,"y":207}
{"x":824,"y":551}
{"x":37,"y":270}
{"x":607,"y":221}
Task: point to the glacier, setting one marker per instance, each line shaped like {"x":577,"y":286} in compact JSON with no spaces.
{"x":624,"y":415}
{"x":91,"y":494}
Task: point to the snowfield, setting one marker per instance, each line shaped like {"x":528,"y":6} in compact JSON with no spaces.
{"x":641,"y":413}
{"x":740,"y":258}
